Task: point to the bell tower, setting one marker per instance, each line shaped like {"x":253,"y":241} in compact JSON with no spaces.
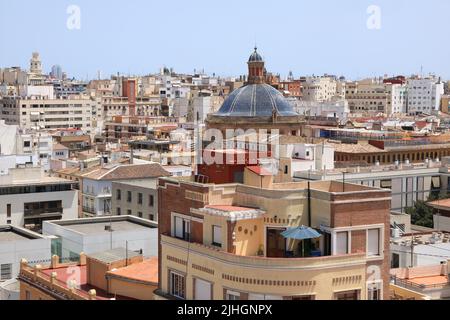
{"x":255,"y":68}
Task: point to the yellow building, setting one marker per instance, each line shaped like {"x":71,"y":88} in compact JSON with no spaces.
{"x":225,"y":242}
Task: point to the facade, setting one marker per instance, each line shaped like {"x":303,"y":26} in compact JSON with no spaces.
{"x":424,"y":95}
{"x":372,"y":97}
{"x":89,"y":235}
{"x":407,"y":183}
{"x":428,"y":249}
{"x":319,"y":89}
{"x":135,"y":198}
{"x":224,"y":241}
{"x":27,"y":198}
{"x":97,"y":185}
{"x":48,"y":113}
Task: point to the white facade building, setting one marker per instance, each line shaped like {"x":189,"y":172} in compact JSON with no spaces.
{"x":91,"y":235}
{"x":48,"y":113}
{"x":18,"y":243}
{"x":424,"y":95}
{"x":27,"y":198}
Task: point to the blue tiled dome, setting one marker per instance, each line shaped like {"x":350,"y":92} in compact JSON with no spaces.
{"x":255,"y":57}
{"x":255,"y":100}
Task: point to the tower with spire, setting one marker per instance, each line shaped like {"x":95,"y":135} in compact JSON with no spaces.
{"x":255,"y":68}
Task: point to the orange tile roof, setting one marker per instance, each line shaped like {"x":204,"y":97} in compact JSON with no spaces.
{"x":441,"y":203}
{"x":151,"y":170}
{"x":430,"y":280}
{"x":146,"y":271}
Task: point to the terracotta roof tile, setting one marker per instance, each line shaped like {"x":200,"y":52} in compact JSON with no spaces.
{"x":146,"y":271}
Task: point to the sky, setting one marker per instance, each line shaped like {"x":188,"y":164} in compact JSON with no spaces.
{"x":306,"y":37}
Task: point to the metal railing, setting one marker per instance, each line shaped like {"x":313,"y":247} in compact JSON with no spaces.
{"x":409,"y":284}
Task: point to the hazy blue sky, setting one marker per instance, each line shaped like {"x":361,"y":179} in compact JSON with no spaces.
{"x":307,"y":37}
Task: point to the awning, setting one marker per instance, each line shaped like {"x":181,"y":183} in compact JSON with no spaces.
{"x":436,"y":182}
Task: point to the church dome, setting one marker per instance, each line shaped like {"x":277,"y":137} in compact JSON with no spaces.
{"x":255,"y":57}
{"x":256,"y":100}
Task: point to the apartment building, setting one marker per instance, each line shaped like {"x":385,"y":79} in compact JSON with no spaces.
{"x":424,"y":95}
{"x":97,"y":185}
{"x":48,"y":113}
{"x":70,"y":238}
{"x":225,"y":241}
{"x":135,"y":198}
{"x":373,"y":97}
{"x":319,"y":89}
{"x":407,"y":183}
{"x":27,"y":198}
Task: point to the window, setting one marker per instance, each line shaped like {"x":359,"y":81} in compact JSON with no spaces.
{"x":374,"y":291}
{"x":27,"y":295}
{"x":286,"y":169}
{"x":6,"y":271}
{"x":118,"y":211}
{"x":232,"y":295}
{"x":182,"y":228}
{"x":140,"y":214}
{"x":152,"y":217}
{"x":26,"y":144}
{"x":386,"y":184}
{"x":347,"y":295}
{"x":139,"y":198}
{"x":436,"y":182}
{"x":342,"y":242}
{"x":202,"y":290}
{"x":373,"y":245}
{"x":177,"y":285}
{"x":128,"y":196}
{"x":118,"y":194}
{"x":395,"y":261}
{"x":8,"y":210}
{"x":129,"y":213}
{"x":217,"y":236}
{"x":151,"y":200}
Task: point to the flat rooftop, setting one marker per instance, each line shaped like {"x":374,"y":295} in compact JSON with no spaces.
{"x":9,"y":233}
{"x":97,"y":225}
{"x":113,"y":255}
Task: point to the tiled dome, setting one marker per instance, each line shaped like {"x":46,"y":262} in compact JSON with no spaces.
{"x":256,"y":100}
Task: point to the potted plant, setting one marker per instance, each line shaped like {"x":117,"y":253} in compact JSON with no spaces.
{"x":261,"y":250}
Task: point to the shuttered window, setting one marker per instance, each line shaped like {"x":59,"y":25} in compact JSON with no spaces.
{"x":342,"y":242}
{"x":202,"y":290}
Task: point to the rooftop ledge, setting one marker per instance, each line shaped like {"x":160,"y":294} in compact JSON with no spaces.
{"x":264,"y":262}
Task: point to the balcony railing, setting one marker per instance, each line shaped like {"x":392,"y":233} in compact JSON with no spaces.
{"x":417,"y":286}
{"x":42,"y":212}
{"x":89,"y":209}
{"x":265,"y":262}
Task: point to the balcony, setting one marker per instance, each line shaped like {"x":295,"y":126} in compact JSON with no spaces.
{"x":265,"y":262}
{"x":89,"y":210}
{"x":42,"y":213}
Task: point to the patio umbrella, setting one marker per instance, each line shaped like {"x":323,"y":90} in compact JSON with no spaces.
{"x":301,"y":233}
